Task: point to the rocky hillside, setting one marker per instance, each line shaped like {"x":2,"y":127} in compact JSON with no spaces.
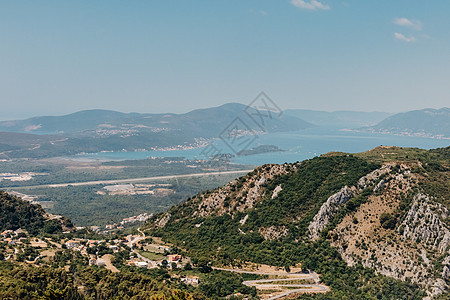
{"x":364,"y":221}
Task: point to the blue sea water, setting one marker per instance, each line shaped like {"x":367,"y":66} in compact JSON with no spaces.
{"x":299,"y":145}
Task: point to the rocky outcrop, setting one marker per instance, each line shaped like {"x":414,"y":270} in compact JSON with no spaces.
{"x":424,"y":224}
{"x":446,"y":269}
{"x":242,"y":193}
{"x":328,"y":210}
{"x":273,"y":232}
{"x":276,"y":191}
{"x":372,"y":177}
{"x":163,"y":220}
{"x":334,"y":203}
{"x":407,"y":252}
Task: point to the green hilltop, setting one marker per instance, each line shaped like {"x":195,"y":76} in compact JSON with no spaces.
{"x":284,"y":215}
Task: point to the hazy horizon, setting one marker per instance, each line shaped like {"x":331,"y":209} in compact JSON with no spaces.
{"x":158,"y":57}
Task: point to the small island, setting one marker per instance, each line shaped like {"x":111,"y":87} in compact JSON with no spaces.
{"x":259,"y":150}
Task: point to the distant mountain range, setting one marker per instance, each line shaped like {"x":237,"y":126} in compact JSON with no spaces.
{"x":426,"y":122}
{"x":200,"y":122}
{"x":104,"y":130}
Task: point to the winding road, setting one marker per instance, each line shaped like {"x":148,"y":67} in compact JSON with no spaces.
{"x":137,"y":239}
{"x":284,"y":284}
{"x":264,"y":284}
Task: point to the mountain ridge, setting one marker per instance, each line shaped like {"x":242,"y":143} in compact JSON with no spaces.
{"x":426,"y":122}
{"x":88,"y":132}
{"x":347,"y":204}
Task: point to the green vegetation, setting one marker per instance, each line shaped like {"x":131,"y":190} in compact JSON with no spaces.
{"x":220,"y":284}
{"x":16,"y":213}
{"x":151,"y":255}
{"x":387,"y":221}
{"x":224,"y":240}
{"x":65,"y":274}
{"x":20,"y":282}
{"x":90,"y":282}
{"x":260,"y":149}
{"x":303,"y":193}
{"x":432,"y":165}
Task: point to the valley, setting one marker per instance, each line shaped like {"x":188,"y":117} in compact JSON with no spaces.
{"x":338,"y":225}
{"x":76,"y":188}
{"x":224,"y":150}
{"x":330,"y":225}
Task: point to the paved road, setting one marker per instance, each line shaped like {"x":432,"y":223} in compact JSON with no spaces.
{"x":137,"y":239}
{"x":278,"y":283}
{"x":115,"y":181}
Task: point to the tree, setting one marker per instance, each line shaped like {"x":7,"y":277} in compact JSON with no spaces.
{"x":164,"y":264}
{"x":203,"y":265}
{"x":188,"y":266}
{"x":387,"y":221}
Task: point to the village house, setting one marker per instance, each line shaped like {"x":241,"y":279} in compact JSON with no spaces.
{"x":190,"y":280}
{"x":114,"y":248}
{"x":174,"y":258}
{"x":71,"y":244}
{"x":7,"y":233}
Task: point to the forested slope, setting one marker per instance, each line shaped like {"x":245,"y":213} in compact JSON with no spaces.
{"x":359,"y":220}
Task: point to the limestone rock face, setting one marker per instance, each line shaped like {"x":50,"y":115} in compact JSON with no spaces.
{"x":328,"y":210}
{"x":276,"y":191}
{"x":391,"y":227}
{"x":423,"y":223}
{"x":409,"y":250}
{"x":334,"y":203}
{"x":163,"y":221}
{"x":240,"y":194}
{"x":446,"y":270}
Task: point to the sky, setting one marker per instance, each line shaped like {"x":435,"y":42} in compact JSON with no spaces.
{"x":58,"y":57}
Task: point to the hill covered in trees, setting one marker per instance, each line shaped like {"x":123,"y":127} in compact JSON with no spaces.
{"x":16,"y":213}
{"x":46,"y":259}
{"x":425,"y":122}
{"x":374,"y":225}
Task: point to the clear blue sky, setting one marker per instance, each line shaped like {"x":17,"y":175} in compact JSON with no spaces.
{"x":59,"y":56}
